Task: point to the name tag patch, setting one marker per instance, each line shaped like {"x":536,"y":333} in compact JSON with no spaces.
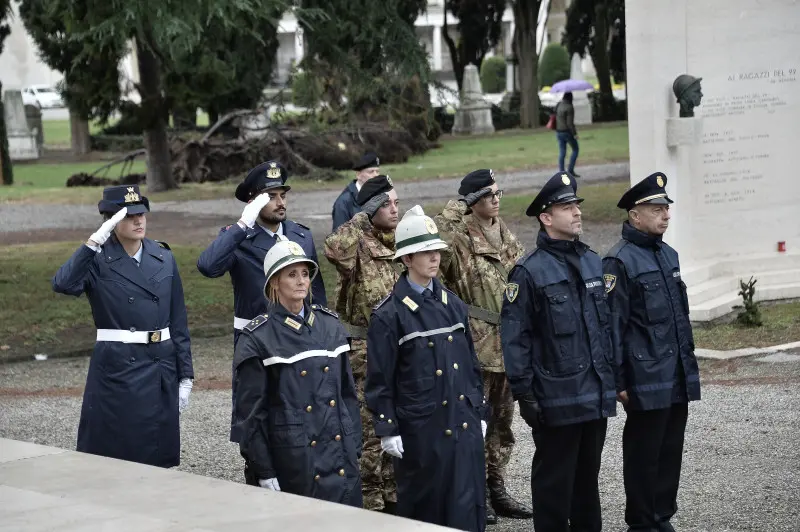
{"x":592,"y":284}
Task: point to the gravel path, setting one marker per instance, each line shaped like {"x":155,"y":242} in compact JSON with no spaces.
{"x":304,"y":207}
{"x":741,"y":463}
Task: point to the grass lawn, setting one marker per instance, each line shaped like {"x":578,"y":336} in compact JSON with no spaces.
{"x":57,"y":132}
{"x":505,"y":150}
{"x":781,"y":326}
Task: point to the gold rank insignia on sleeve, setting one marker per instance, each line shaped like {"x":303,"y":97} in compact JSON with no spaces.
{"x":410,"y":304}
{"x":444,"y":297}
{"x":610,"y":281}
{"x":311,"y":319}
{"x":512,"y":289}
{"x":292,"y":323}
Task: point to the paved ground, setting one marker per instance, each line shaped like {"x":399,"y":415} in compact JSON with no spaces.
{"x":742,"y":462}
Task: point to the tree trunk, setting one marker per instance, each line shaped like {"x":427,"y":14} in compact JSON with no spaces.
{"x":6,"y":170}
{"x":80,"y":138}
{"x":159,"y":172}
{"x":526,"y":15}
{"x":455,"y":57}
{"x":599,"y":53}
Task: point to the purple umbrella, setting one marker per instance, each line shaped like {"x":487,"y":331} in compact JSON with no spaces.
{"x":570,"y":85}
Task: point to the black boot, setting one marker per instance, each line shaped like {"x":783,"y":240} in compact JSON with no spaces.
{"x":491,"y":517}
{"x":390,"y":508}
{"x":504,"y":504}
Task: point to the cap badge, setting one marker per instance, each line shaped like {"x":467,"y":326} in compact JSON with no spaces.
{"x":295,"y":249}
{"x":659,"y":181}
{"x":389,"y":180}
{"x":131,"y":196}
{"x":274,"y":172}
{"x":565,"y":179}
{"x":430,"y":226}
{"x":378,"y":163}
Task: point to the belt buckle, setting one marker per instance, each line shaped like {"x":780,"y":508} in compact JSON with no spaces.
{"x":153,"y":337}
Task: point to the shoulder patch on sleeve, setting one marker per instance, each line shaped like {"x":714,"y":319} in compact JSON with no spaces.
{"x":163,"y":244}
{"x":326,"y":310}
{"x":511,"y":291}
{"x":610,"y":282}
{"x":256,"y":322}
{"x":382,"y":301}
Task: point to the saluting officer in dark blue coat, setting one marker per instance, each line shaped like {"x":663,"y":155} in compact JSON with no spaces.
{"x":240,"y":248}
{"x":556,"y":346}
{"x":652,"y":338}
{"x":140,"y":374}
{"x":346,"y":206}
{"x":424,"y":388}
{"x":296,"y":400}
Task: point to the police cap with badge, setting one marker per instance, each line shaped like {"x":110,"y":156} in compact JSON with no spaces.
{"x":374,"y":193}
{"x":368,"y":160}
{"x":651,"y":189}
{"x":475,"y":185}
{"x":561,"y":188}
{"x":265,"y":176}
{"x":117,"y":197}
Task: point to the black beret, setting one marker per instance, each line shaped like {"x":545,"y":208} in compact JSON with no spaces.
{"x":651,"y":189}
{"x":561,"y":188}
{"x":265,"y":176}
{"x":476,"y":180}
{"x":368,"y":160}
{"x":373,"y":187}
{"x":115,"y":198}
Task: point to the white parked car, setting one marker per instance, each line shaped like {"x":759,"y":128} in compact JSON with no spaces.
{"x":42,"y":96}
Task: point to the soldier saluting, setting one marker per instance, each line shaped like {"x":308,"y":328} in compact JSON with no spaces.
{"x":652,"y":339}
{"x":556,"y":347}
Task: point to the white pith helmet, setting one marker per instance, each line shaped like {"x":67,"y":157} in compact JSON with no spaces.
{"x":416,"y":232}
{"x":284,"y":253}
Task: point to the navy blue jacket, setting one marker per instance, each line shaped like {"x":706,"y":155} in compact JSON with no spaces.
{"x":554,"y":329}
{"x":424,"y":384}
{"x":651,"y":332}
{"x":130,"y":404}
{"x":296,"y":405}
{"x":241,"y":253}
{"x":345,"y":206}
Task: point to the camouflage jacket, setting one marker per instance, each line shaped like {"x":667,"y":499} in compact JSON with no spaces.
{"x":367,"y":273}
{"x":477,"y":272}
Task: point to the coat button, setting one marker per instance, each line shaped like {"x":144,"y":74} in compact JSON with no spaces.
{"x":326,"y":369}
{"x":316,"y":477}
{"x":308,"y":408}
{"x":332,"y":403}
{"x":455,"y":366}
{"x":448,"y":432}
{"x":450,"y":338}
{"x":341,"y":472}
{"x":444,"y":403}
{"x":133,"y":329}
{"x":461,"y":397}
{"x":430,"y":344}
{"x":155,"y":299}
{"x":464,"y":426}
{"x":389,"y":421}
{"x":313,"y":443}
{"x":381,"y":416}
{"x":133,"y":359}
{"x":303,"y":373}
{"x":130,"y":300}
{"x":438,"y":373}
{"x":338,"y":437}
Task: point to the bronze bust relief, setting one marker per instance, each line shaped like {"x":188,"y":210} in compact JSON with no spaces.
{"x":687,"y":90}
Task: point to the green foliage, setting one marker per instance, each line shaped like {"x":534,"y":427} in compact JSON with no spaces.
{"x":580,"y":32}
{"x":751,"y":315}
{"x":554,"y":65}
{"x":480,"y":26}
{"x":493,"y":75}
{"x":306,"y":90}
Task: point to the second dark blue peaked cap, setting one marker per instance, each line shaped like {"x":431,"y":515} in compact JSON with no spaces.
{"x":561,"y":188}
{"x":651,"y":189}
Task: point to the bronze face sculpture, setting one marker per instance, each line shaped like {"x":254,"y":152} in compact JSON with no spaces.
{"x":688,"y":92}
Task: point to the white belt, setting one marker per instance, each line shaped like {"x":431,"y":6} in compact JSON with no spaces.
{"x":132,"y":337}
{"x":239,"y":323}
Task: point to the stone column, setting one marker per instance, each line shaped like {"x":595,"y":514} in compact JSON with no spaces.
{"x":299,"y":44}
{"x":437,"y":48}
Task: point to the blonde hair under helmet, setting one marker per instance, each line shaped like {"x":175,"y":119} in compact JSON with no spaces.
{"x":284,"y":253}
{"x":416,"y":232}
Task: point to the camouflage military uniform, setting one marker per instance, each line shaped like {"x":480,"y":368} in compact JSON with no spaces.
{"x":476,"y":268}
{"x":363,"y":257}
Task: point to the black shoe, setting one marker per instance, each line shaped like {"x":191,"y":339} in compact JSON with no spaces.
{"x":491,"y":517}
{"x":505,"y":505}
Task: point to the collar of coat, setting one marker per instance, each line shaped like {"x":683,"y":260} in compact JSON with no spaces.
{"x":143,"y":275}
{"x":411,"y":299}
{"x":290,"y":320}
{"x":480,"y":244}
{"x":640,"y":238}
{"x":377,"y":249}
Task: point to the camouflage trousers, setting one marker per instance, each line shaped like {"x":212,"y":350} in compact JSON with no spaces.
{"x":499,"y":437}
{"x":377,"y":474}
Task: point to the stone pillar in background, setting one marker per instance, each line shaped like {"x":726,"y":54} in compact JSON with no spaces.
{"x":474,"y":115}
{"x":437,"y":48}
{"x":22,"y":144}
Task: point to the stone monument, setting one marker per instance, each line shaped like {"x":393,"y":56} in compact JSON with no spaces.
{"x":580,"y":99}
{"x":730,"y":160}
{"x":474,"y":115}
{"x":22,"y":145}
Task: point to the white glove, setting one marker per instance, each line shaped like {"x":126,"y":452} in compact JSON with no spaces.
{"x":483,"y":428}
{"x":184,"y":389}
{"x":270,"y":484}
{"x":392,"y":445}
{"x":107,"y":228}
{"x":252,"y":209}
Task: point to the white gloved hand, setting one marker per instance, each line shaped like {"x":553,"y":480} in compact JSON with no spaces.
{"x":483,"y":428}
{"x":252,"y":209}
{"x":107,"y":228}
{"x":392,"y":445}
{"x":184,"y":389}
{"x":270,"y":484}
